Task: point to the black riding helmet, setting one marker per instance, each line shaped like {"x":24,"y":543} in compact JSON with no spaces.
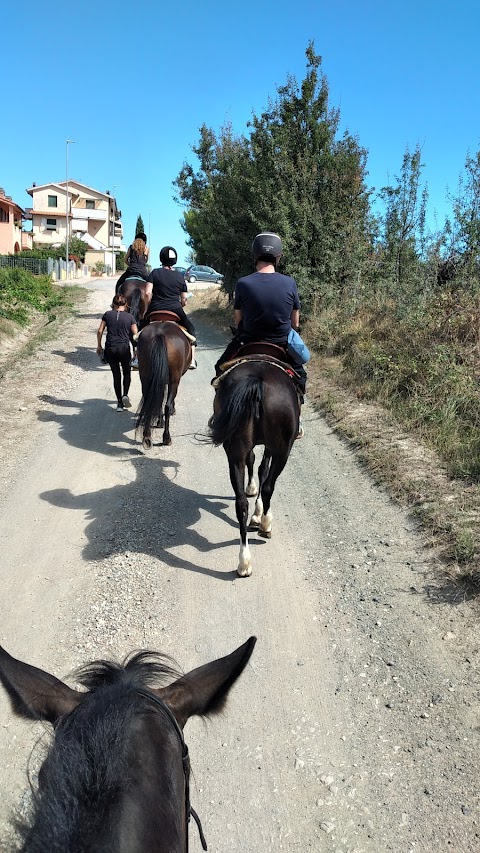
{"x":168,"y":256}
{"x":267,"y":247}
{"x":141,"y":236}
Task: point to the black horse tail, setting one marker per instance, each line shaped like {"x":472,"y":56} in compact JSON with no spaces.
{"x":151,"y":407}
{"x":241,"y":406}
{"x":135,"y":301}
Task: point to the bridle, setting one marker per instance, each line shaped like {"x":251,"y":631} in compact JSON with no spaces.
{"x":189,"y":811}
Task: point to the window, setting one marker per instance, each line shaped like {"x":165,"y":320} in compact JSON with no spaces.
{"x":4,"y":217}
{"x":52,"y":224}
{"x":52,"y":200}
{"x":90,"y":204}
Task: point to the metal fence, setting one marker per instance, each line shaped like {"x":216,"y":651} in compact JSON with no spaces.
{"x":46,"y":266}
{"x":37,"y":266}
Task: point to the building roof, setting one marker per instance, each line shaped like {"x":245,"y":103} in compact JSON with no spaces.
{"x":35,"y":187}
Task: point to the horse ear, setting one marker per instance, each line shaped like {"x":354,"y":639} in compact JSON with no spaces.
{"x":33,"y":693}
{"x":204,"y":690}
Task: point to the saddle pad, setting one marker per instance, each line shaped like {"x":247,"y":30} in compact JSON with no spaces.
{"x":228,"y":366}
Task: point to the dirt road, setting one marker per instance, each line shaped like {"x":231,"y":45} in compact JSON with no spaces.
{"x":355,"y":727}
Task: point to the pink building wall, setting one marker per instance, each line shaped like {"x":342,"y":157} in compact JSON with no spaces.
{"x":10,"y":230}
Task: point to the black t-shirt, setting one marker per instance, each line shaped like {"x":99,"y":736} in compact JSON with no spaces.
{"x":266,"y":301}
{"x":167,"y":287}
{"x":136,"y":262}
{"x":118,"y":325}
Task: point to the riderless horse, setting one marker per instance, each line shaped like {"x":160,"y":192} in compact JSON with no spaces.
{"x":256,"y":402}
{"x":116,"y":777}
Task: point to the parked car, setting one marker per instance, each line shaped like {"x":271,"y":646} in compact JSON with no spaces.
{"x":181,"y":269}
{"x":197,"y":272}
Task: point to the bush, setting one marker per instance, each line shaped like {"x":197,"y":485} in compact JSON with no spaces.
{"x":21,"y":292}
{"x":421,"y":362}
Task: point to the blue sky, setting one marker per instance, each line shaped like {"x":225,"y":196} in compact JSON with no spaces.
{"x":131,"y":83}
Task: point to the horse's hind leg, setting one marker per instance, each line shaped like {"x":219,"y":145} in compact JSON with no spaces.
{"x":277,"y":465}
{"x":169,"y":410}
{"x":251,"y":489}
{"x":262,"y":475}
{"x":147,"y":439}
{"x":237,"y":479}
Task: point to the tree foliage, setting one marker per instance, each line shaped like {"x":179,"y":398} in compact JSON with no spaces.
{"x":139,"y":227}
{"x":291,"y":175}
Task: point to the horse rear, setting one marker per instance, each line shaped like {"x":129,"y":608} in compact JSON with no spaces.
{"x":255,"y":403}
{"x":164,"y":354}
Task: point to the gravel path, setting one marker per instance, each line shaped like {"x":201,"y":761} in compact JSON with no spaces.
{"x":355,"y":726}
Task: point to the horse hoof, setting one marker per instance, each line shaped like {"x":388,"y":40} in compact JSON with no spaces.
{"x":244,"y":571}
{"x":251,"y":491}
{"x":147,"y":443}
{"x":265,"y":534}
{"x":254,"y":523}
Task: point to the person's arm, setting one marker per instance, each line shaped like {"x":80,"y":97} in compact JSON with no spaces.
{"x":295,"y":318}
{"x":237,"y":316}
{"x":149,"y":289}
{"x":100,"y":332}
{"x":127,"y":256}
{"x":147,"y":252}
{"x":134,"y":329}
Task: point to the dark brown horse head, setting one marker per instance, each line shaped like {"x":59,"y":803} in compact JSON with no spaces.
{"x":116,"y":775}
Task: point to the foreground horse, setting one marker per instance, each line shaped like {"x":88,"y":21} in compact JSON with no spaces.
{"x":164,"y":355}
{"x":255,"y":403}
{"x":133,"y":289}
{"x":116,"y":777}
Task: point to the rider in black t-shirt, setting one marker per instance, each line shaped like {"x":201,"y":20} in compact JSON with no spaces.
{"x":167,"y":291}
{"x":266,"y":304}
{"x":136,"y":260}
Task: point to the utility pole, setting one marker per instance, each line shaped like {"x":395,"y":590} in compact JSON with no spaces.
{"x":67,"y":204}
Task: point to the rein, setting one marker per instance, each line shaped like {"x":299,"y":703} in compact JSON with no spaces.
{"x":190,"y":812}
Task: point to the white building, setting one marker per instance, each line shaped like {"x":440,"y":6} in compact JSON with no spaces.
{"x":92,"y":216}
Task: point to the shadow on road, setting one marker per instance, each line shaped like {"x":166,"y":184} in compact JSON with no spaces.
{"x":151,"y":515}
{"x":81,"y":427}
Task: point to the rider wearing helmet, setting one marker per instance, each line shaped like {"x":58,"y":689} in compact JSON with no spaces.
{"x":266,"y":305}
{"x":136,"y":260}
{"x":166,"y":290}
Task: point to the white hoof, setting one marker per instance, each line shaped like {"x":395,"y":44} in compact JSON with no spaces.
{"x":266,"y":525}
{"x":245,"y":562}
{"x":251,"y":489}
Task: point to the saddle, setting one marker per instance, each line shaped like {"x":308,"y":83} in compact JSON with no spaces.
{"x":162,"y":317}
{"x":263,"y":348}
{"x":262,"y":351}
{"x":167,"y":317}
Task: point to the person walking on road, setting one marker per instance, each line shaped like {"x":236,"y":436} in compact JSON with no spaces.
{"x":120,"y":326}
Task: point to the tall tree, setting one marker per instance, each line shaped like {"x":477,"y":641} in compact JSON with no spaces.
{"x":404,"y":222}
{"x":466,"y":217}
{"x":139,"y":227}
{"x":290,"y":175}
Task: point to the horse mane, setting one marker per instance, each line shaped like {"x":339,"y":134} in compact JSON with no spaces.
{"x":139,"y":669}
{"x":86,"y":768}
